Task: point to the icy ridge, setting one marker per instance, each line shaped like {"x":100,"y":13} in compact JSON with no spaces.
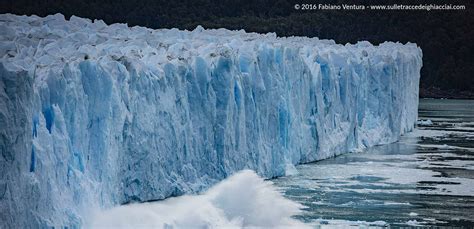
{"x":95,"y":115}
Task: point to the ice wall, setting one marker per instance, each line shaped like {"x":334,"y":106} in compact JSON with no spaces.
{"x":93,"y":116}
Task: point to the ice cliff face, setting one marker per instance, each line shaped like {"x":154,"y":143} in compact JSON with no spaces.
{"x":93,"y":116}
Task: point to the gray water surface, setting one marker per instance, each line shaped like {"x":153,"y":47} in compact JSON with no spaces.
{"x":425,"y":179}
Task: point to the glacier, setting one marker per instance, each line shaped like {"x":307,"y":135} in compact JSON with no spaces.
{"x":94,"y":115}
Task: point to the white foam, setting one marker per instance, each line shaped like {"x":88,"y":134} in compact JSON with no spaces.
{"x":413,"y":223}
{"x":446,"y":147}
{"x":241,"y":201}
{"x":427,"y":122}
{"x":429,"y":133}
{"x":336,"y":223}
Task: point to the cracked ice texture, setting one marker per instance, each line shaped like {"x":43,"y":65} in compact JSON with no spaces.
{"x":95,"y":115}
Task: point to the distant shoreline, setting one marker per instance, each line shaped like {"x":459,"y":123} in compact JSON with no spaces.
{"x":437,"y":93}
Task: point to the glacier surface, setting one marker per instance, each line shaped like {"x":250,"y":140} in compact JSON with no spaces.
{"x":94,"y":115}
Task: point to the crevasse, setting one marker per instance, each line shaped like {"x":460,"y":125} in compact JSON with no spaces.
{"x":95,"y":115}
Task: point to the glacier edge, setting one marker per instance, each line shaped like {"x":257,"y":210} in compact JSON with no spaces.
{"x":95,"y":115}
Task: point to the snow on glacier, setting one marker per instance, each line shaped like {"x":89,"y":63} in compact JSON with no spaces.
{"x":94,"y":115}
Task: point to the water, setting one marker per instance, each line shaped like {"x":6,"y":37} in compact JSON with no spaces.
{"x":425,"y":179}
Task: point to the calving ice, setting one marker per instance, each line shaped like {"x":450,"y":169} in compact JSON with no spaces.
{"x":94,"y":115}
{"x":243,"y":200}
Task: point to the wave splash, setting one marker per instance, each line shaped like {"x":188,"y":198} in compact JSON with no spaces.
{"x":240,"y":201}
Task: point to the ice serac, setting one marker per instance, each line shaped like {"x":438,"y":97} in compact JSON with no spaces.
{"x":95,"y":115}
